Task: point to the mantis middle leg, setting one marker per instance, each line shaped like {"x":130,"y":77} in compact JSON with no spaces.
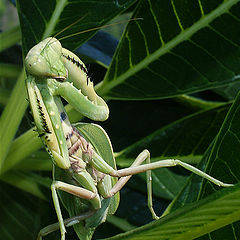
{"x":67,"y":223}
{"x":87,"y":190}
{"x":143,"y":156}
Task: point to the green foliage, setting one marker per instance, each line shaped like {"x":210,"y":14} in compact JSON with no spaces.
{"x":179,"y":47}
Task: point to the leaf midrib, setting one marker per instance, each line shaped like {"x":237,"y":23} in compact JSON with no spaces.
{"x":54,"y":18}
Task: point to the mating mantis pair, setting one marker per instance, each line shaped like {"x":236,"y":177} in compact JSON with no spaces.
{"x":83,"y":170}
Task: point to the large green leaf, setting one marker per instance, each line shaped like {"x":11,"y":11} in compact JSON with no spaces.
{"x":40,"y":19}
{"x":179,"y":47}
{"x":194,"y":220}
{"x":223,"y":161}
{"x":170,"y":142}
{"x":22,"y":214}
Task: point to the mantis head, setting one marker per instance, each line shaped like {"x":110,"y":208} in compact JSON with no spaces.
{"x":44,"y":60}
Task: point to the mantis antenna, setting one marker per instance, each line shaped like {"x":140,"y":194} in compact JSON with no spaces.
{"x":88,"y":30}
{"x":95,"y":28}
{"x":69,"y":26}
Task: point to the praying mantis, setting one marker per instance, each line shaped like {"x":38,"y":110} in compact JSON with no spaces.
{"x":80,"y":168}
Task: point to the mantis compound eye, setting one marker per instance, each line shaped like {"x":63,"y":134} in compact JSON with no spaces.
{"x":36,"y":65}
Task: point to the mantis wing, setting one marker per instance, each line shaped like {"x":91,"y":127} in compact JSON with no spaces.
{"x":75,"y":206}
{"x":100,"y":141}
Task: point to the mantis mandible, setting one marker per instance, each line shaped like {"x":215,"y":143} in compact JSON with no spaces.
{"x":55,"y":72}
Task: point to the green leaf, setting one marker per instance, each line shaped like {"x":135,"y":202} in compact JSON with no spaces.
{"x":22,"y":214}
{"x":10,"y":37}
{"x":12,"y":116}
{"x":170,"y":142}
{"x":22,"y":147}
{"x":221,"y":161}
{"x":9,"y":70}
{"x":38,"y":161}
{"x":193,"y":220}
{"x":179,"y":47}
{"x":4,"y":96}
{"x":229,"y":92}
{"x":27,"y":182}
{"x":49,"y":19}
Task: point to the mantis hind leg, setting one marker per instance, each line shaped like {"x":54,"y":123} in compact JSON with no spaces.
{"x":166,"y":163}
{"x":136,"y":168}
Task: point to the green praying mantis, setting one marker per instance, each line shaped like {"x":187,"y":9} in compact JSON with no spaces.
{"x":83,"y":166}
